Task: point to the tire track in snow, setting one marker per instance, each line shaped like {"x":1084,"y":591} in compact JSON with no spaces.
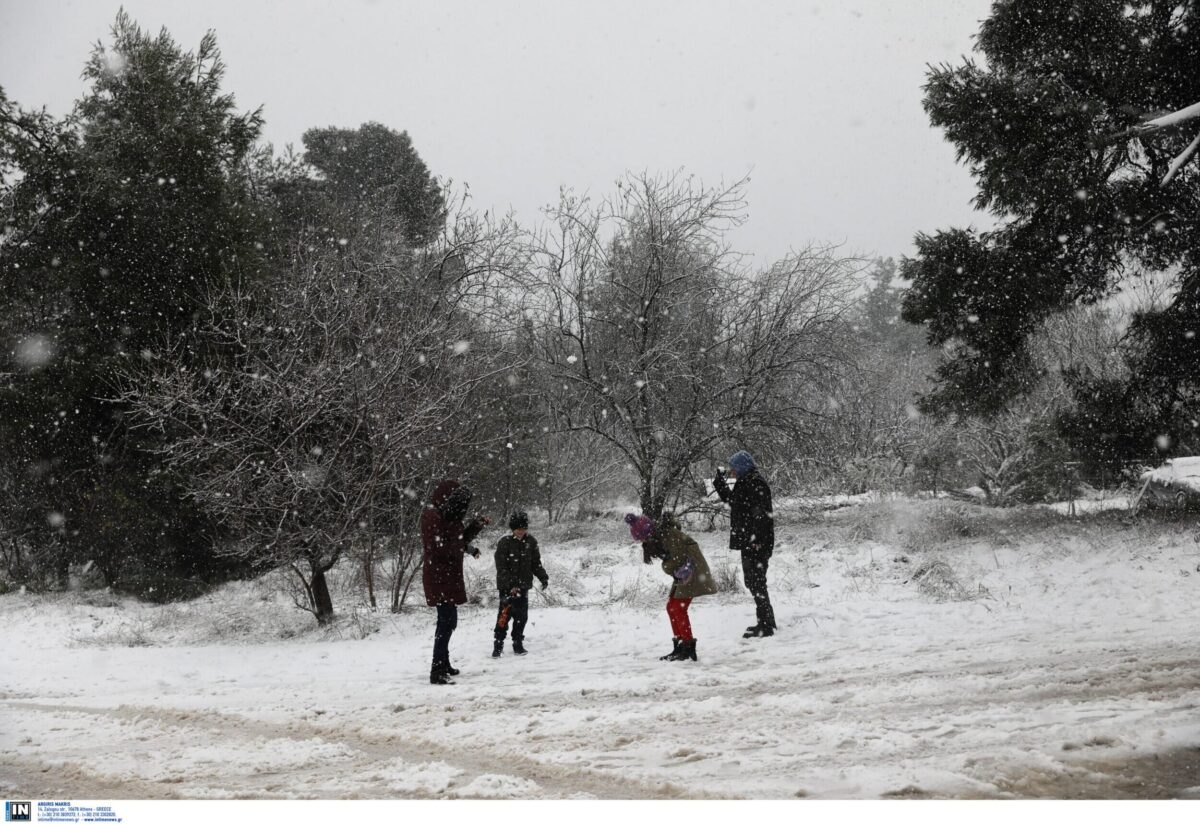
{"x":371,"y":750}
{"x":927,"y":697}
{"x":27,"y":775}
{"x":1018,"y":698}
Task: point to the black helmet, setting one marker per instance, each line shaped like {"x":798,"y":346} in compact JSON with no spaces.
{"x":518,"y":520}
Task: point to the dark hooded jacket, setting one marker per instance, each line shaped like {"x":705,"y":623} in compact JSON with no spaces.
{"x":750,"y":518}
{"x":445,"y":539}
{"x":518,"y":560}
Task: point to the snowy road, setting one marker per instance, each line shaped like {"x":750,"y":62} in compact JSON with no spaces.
{"x":1063,"y":687}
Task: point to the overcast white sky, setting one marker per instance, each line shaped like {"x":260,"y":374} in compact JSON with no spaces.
{"x":819,"y":101}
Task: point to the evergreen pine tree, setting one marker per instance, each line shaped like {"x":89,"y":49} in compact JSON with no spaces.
{"x":118,"y":219}
{"x":1075,"y":215}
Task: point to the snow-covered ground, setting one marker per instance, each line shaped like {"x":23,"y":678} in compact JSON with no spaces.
{"x":925,"y":649}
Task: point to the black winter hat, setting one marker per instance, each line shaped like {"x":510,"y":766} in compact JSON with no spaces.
{"x":518,"y":520}
{"x":456,"y":504}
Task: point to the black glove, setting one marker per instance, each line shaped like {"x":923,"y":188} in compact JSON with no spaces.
{"x":545,"y":584}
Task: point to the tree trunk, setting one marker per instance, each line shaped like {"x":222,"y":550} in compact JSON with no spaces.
{"x":508,"y":475}
{"x":646,"y":502}
{"x":652,"y":504}
{"x":369,"y":571}
{"x":404,"y":575}
{"x":322,"y":602}
{"x":398,"y":578}
{"x":62,"y":574}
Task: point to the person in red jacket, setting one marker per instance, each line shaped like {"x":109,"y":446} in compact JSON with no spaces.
{"x":445,"y":539}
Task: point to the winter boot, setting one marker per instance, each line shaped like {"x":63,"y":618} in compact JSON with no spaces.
{"x":497,"y":649}
{"x":759,"y":631}
{"x":519,"y":646}
{"x":673,"y":655}
{"x":439,"y":675}
{"x":687,"y":650}
{"x":452,"y":670}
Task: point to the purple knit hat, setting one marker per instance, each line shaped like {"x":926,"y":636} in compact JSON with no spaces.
{"x":640,"y":526}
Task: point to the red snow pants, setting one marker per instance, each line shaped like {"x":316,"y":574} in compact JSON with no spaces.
{"x":677,"y":611}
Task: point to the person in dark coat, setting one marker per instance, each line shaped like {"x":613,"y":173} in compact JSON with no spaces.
{"x":682,"y":560}
{"x":751,"y":532}
{"x":517,"y":563}
{"x":445,"y":539}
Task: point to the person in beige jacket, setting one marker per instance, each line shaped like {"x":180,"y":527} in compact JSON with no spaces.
{"x":683,"y":561}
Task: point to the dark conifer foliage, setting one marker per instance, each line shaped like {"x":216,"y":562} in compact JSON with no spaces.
{"x":375,"y":173}
{"x":117,"y":221}
{"x":1077,"y":213}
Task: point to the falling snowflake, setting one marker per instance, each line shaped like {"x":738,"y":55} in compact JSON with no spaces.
{"x":312,"y":477}
{"x":114,"y":62}
{"x":34,"y":352}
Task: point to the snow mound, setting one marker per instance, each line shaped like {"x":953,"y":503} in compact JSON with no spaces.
{"x":500,"y":786}
{"x":404,"y":778}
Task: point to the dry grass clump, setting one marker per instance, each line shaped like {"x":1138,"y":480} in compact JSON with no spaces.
{"x":238,"y":613}
{"x":914,"y":525}
{"x":944,"y":523}
{"x":936,"y":580}
{"x":919,"y":525}
{"x":639,"y":593}
{"x":725,"y":575}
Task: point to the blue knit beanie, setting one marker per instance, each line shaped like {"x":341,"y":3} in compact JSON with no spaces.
{"x":741,"y":462}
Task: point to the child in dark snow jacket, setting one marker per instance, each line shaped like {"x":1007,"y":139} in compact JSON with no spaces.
{"x":517,"y":562}
{"x":683,"y":561}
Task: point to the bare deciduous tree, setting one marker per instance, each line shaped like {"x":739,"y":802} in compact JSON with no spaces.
{"x":663,"y":342}
{"x":332,"y":390}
